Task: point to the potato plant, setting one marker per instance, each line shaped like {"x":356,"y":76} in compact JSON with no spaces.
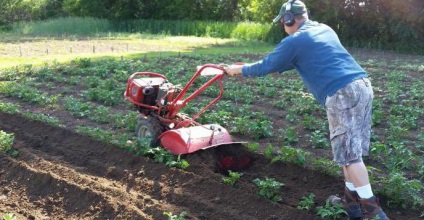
{"x":331,"y":211}
{"x":6,"y":142}
{"x":232,"y":178}
{"x":307,"y":202}
{"x":269,"y":188}
{"x":292,"y":155}
{"x":171,"y":216}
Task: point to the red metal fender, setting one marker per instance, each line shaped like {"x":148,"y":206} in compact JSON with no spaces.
{"x":190,"y":139}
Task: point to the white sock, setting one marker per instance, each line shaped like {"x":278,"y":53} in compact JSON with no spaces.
{"x":350,"y":186}
{"x":365,"y":192}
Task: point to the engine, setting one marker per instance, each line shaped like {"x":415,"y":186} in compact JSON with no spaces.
{"x":150,"y":91}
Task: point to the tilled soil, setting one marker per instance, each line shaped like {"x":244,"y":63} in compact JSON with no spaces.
{"x":64,"y":175}
{"x":60,"y":174}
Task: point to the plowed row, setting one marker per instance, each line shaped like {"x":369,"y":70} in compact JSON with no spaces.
{"x":63,"y":175}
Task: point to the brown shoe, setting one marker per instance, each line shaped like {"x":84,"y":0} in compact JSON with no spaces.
{"x":371,"y":209}
{"x":351,"y":204}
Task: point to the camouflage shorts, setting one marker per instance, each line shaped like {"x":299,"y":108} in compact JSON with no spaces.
{"x":349,"y":118}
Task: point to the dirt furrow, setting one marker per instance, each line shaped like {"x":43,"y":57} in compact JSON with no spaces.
{"x":122,"y":183}
{"x":56,"y":197}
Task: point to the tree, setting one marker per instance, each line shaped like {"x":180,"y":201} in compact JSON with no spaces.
{"x":13,"y":11}
{"x":259,"y":11}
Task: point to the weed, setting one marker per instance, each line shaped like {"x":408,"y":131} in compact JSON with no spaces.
{"x":232,"y":179}
{"x":269,"y":188}
{"x":307,"y":202}
{"x":330,"y":211}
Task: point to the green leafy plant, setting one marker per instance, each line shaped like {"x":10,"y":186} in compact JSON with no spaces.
{"x":10,"y":108}
{"x":77,"y":107}
{"x":43,"y":118}
{"x":232,"y":179}
{"x":289,"y":154}
{"x":23,"y":90}
{"x":269,"y":151}
{"x":171,"y":216}
{"x":179,"y":163}
{"x":318,"y":139}
{"x":9,"y":216}
{"x":310,"y":123}
{"x":269,"y":188}
{"x":290,"y":135}
{"x":100,"y":114}
{"x":331,"y":211}
{"x":159,"y":154}
{"x":402,"y":191}
{"x":326,"y":166}
{"x":307,"y":202}
{"x":6,"y":142}
{"x":126,"y":121}
{"x":253,"y":146}
{"x":96,"y":133}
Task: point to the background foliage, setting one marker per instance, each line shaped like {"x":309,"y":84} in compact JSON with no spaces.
{"x":377,"y":23}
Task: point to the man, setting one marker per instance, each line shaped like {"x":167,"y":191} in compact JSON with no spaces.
{"x":337,"y":82}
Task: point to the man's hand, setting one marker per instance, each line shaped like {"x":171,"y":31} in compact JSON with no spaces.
{"x":234,"y":69}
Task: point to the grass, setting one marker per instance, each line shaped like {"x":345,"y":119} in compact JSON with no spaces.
{"x":20,"y":49}
{"x":87,"y":26}
{"x":64,"y":39}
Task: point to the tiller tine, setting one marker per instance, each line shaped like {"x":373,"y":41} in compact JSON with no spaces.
{"x":232,"y":158}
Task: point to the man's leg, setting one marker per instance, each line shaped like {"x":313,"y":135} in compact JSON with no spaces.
{"x":351,"y":197}
{"x":349,"y":117}
{"x":357,"y":174}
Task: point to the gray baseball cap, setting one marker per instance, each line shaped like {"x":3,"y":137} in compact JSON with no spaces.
{"x":297,"y":8}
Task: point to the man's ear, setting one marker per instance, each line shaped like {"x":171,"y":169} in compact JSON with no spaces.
{"x":282,"y":24}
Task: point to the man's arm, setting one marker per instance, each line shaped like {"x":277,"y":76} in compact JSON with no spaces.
{"x":234,"y":70}
{"x":279,"y":60}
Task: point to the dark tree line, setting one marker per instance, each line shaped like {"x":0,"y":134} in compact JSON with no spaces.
{"x":384,"y":21}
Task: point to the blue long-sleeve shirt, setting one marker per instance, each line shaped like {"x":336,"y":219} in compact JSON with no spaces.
{"x":315,"y":51}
